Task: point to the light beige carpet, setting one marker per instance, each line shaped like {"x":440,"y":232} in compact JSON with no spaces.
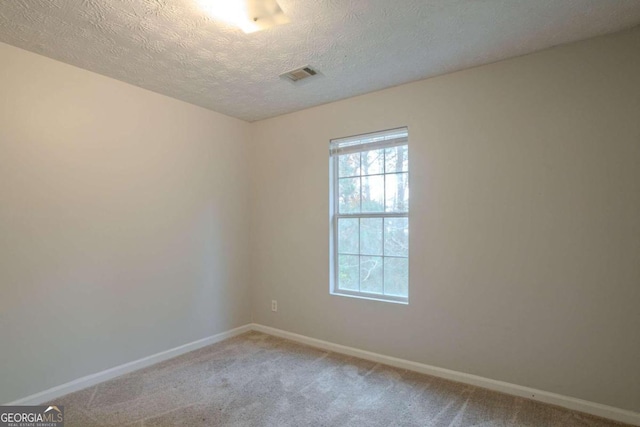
{"x":259,"y":380}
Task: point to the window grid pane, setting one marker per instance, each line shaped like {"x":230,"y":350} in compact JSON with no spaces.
{"x":371,"y":277}
{"x":396,"y":237}
{"x":383,"y":219}
{"x":371,"y":236}
{"x":396,"y":192}
{"x":372,"y":162}
{"x":372,"y":190}
{"x":396,"y":159}
{"x":349,"y":272}
{"x":396,"y":281}
{"x":348,"y":236}
{"x":349,"y":195}
{"x":349,"y":165}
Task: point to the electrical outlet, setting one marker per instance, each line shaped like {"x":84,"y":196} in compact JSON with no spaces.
{"x":274,"y":305}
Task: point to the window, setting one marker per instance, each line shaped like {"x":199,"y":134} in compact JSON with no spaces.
{"x":370,"y":215}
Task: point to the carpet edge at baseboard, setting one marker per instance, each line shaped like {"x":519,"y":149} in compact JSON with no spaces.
{"x":107,"y":374}
{"x":592,"y":408}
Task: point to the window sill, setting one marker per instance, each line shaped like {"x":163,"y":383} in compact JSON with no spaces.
{"x":370,"y":298}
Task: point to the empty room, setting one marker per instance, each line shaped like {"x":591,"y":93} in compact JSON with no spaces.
{"x":319,"y":213}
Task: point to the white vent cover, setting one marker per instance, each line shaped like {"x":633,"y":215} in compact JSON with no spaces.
{"x":299,"y":74}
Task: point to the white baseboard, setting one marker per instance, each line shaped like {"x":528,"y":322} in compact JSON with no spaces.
{"x":93,"y":379}
{"x":572,"y":403}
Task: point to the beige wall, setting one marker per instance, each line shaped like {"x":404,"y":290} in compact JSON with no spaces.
{"x":525,"y":222}
{"x":123,"y":220}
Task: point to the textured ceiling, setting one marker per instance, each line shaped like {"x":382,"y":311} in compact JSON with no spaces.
{"x":173,"y":47}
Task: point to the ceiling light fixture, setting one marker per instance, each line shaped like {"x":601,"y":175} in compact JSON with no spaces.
{"x":249,"y":15}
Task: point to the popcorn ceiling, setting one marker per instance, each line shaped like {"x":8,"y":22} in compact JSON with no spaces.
{"x":174,"y":48}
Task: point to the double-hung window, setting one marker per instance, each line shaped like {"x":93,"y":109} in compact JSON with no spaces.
{"x":370,"y":215}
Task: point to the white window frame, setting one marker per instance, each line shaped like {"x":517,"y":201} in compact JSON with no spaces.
{"x":353,"y":144}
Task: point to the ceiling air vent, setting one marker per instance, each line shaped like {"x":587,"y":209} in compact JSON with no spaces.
{"x":299,"y":74}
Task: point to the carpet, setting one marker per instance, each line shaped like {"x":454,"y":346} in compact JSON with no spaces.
{"x":260,"y":380}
